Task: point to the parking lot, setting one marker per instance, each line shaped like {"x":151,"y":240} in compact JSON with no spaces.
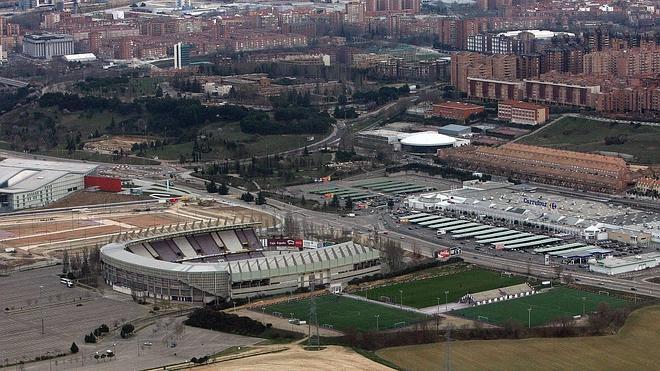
{"x":68,"y":314}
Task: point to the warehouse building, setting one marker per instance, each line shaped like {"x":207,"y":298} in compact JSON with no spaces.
{"x":611,"y":265}
{"x":27,"y":183}
{"x":226,"y":261}
{"x":570,"y":169}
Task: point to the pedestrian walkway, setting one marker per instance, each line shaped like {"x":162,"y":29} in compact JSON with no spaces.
{"x":442,"y":308}
{"x":390,"y":305}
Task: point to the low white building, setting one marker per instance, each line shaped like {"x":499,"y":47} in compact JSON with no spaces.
{"x":612,"y":265}
{"x":27,"y":183}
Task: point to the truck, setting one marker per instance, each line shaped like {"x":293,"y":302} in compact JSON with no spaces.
{"x":447,"y":253}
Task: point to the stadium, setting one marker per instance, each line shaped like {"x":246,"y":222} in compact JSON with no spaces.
{"x":203,"y":261}
{"x":429,"y":142}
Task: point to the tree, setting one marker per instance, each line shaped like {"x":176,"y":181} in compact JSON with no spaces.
{"x":74,"y":348}
{"x":211,"y":187}
{"x":342,"y":100}
{"x":247,"y":197}
{"x":223,"y":190}
{"x":127,"y":330}
{"x":261,"y":198}
{"x":335,"y":202}
{"x":393,"y":256}
{"x":348,"y":205}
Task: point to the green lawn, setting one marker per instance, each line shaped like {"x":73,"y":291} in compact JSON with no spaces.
{"x":584,"y":135}
{"x":424,"y":293}
{"x":345,"y":313}
{"x":547,"y":306}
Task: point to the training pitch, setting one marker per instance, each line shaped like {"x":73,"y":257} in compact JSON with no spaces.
{"x":547,"y":306}
{"x":425,"y":293}
{"x":344,"y":313}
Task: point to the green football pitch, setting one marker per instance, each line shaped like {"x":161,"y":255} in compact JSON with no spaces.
{"x":425,"y":293}
{"x":547,"y":306}
{"x":343,"y":313}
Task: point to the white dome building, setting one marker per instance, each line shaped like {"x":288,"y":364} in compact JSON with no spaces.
{"x":427,"y":142}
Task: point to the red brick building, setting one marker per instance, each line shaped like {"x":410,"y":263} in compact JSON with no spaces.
{"x":456,"y":110}
{"x":543,"y":165}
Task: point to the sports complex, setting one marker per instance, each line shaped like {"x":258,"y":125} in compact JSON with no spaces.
{"x":202,"y":261}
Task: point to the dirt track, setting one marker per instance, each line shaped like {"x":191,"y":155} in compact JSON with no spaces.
{"x":332,"y":358}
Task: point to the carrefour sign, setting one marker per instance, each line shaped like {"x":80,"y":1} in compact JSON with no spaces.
{"x":540,"y":203}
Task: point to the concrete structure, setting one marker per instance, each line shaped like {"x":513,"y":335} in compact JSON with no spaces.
{"x":181,"y":55}
{"x":430,"y":142}
{"x":47,"y":45}
{"x":612,"y":265}
{"x":457,"y":110}
{"x":30,"y":183}
{"x":544,"y":165}
{"x":221,"y":262}
{"x":519,"y":112}
{"x":84,"y":57}
{"x":454,"y":130}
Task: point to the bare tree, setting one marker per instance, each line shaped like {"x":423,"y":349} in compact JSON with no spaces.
{"x":392,"y":255}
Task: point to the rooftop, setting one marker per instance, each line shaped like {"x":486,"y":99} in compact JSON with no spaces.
{"x":23,"y":175}
{"x":612,"y":262}
{"x":428,"y":138}
{"x":458,"y":105}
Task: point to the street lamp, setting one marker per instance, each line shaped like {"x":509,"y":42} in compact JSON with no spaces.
{"x":377,"y":316}
{"x":438,"y":306}
{"x":446,"y":300}
{"x":401,"y":302}
{"x":42,"y":309}
{"x":584,"y":301}
{"x":529,"y":317}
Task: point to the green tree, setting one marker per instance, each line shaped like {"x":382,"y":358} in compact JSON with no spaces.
{"x":335,"y":202}
{"x":348,"y":205}
{"x":223,"y":190}
{"x":74,"y":348}
{"x":211,"y":187}
{"x":261,"y":198}
{"x":247,"y":197}
{"x":127,"y":330}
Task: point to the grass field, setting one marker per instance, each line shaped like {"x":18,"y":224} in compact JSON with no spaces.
{"x":585,"y":135}
{"x":424,"y":293}
{"x":345,"y":313}
{"x":547,"y":306}
{"x":630,"y":349}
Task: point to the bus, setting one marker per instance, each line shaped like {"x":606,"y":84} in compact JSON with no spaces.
{"x":67,"y":282}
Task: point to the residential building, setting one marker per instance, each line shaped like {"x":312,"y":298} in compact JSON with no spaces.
{"x":181,"y":55}
{"x":519,"y":112}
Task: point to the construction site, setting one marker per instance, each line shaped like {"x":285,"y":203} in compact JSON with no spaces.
{"x":40,"y":237}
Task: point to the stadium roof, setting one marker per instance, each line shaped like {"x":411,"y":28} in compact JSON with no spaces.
{"x":249,"y":268}
{"x":428,"y":138}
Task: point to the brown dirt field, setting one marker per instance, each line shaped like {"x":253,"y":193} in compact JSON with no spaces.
{"x":93,"y":198}
{"x":62,"y":236}
{"x":150,"y":220}
{"x":30,"y":228}
{"x":332,"y":358}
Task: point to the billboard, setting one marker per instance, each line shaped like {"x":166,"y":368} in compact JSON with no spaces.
{"x":284,"y":242}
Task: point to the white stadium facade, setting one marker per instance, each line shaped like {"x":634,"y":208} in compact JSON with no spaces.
{"x":225,"y":261}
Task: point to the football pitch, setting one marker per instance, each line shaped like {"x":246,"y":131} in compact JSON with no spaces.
{"x":425,"y":293}
{"x":547,"y":306}
{"x":343,"y":313}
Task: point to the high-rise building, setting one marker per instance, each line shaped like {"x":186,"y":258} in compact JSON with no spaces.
{"x":47,"y":45}
{"x":355,"y":12}
{"x":181,"y":55}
